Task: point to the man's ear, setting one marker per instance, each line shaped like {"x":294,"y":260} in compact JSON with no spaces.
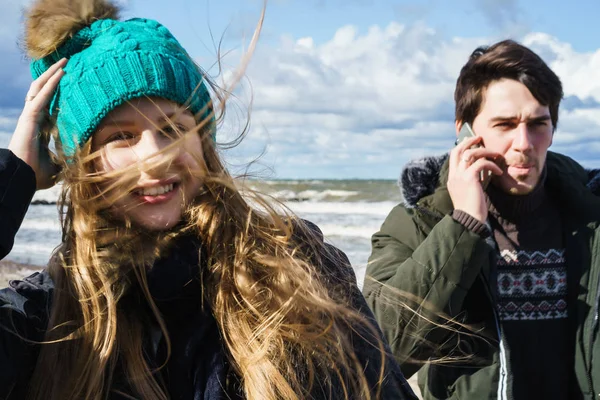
{"x":457,"y":125}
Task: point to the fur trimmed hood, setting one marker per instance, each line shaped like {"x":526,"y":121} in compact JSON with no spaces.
{"x":420,"y":178}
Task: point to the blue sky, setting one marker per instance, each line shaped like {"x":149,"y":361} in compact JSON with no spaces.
{"x":356,"y":88}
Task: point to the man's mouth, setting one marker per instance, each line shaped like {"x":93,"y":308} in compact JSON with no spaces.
{"x":522,"y":166}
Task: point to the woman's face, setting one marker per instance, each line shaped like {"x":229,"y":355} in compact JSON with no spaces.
{"x":134,"y":134}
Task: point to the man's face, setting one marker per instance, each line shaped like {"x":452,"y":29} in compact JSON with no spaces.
{"x":513,"y":123}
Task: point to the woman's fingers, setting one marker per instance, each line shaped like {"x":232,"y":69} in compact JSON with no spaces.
{"x":26,"y":142}
{"x":42,"y":89}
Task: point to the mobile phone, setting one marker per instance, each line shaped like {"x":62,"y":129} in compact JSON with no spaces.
{"x":466,"y":132}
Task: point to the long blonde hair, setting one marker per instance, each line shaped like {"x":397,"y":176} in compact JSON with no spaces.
{"x":286,"y":325}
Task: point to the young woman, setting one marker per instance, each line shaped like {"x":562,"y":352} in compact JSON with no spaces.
{"x":168,"y":284}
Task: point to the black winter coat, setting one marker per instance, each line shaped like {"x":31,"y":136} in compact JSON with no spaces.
{"x":198,"y":367}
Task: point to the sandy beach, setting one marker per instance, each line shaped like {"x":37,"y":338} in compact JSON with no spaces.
{"x":10,"y":270}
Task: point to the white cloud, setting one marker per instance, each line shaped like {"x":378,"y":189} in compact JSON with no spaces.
{"x":362,"y":104}
{"x":578,"y":133}
{"x":579,"y":72}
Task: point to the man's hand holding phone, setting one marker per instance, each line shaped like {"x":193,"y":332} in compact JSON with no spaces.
{"x":469,"y":162}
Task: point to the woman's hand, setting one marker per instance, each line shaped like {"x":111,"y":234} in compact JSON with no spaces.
{"x":26,"y":142}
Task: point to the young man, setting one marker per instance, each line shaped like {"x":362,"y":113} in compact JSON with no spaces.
{"x":495,"y":290}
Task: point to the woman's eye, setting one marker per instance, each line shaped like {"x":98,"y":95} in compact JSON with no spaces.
{"x":174,"y":130}
{"x":120,"y":136}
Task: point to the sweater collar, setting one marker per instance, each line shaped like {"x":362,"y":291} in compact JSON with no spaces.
{"x":514,"y":207}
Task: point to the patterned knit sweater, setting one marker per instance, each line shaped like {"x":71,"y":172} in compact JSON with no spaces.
{"x":532,"y":293}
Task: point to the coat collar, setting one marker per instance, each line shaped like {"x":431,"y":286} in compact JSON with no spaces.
{"x":423,"y":184}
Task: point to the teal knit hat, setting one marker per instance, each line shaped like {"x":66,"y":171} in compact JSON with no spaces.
{"x":111,"y":62}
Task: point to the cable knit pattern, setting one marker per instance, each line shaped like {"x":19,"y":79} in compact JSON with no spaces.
{"x":112,"y":62}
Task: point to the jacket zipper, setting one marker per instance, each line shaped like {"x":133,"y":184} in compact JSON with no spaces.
{"x":593,"y":329}
{"x":503,"y":374}
{"x":504,"y":366}
{"x":591,"y":341}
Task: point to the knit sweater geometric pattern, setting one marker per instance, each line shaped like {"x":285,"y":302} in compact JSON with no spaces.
{"x":531,"y":284}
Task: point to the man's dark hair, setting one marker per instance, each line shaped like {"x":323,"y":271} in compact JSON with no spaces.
{"x":510,"y":60}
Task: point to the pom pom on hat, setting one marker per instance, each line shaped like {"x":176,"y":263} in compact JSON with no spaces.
{"x":111,"y":62}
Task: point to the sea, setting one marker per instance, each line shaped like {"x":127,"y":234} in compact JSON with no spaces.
{"x":347,"y":211}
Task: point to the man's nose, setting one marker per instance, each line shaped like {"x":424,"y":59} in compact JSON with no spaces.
{"x":522,"y":140}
